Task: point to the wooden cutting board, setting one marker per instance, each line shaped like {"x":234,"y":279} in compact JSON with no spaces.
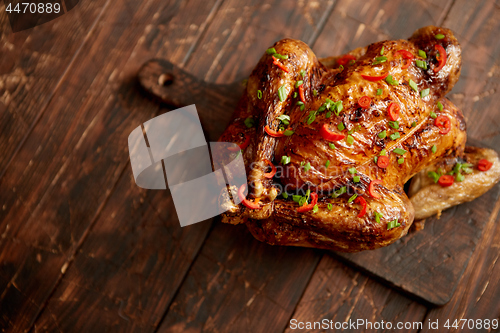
{"x":427,"y":264}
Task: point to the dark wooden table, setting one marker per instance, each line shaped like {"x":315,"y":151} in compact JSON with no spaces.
{"x":83,"y":249}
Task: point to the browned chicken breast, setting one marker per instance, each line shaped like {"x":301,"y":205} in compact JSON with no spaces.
{"x":328,"y":144}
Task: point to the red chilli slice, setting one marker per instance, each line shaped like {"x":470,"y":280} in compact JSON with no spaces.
{"x":272,"y":133}
{"x":371,"y":188}
{"x":446,"y":180}
{"x":306,"y":208}
{"x":330,"y":136}
{"x":365,"y":102}
{"x":345,"y":59}
{"x":279,"y":64}
{"x":241,"y":146}
{"x":273,"y":169}
{"x":444,"y":124}
{"x":484,"y":165}
{"x":247,"y":203}
{"x":362,"y":202}
{"x":406,"y":55}
{"x":441,"y":57}
{"x":383,"y":162}
{"x":374,"y":78}
{"x":393,"y":111}
{"x":301,"y":93}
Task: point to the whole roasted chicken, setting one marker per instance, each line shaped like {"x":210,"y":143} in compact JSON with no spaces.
{"x":329,"y":144}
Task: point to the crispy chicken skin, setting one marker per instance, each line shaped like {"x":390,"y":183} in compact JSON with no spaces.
{"x":317,"y":166}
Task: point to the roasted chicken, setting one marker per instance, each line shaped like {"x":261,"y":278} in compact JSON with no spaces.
{"x":328,"y":144}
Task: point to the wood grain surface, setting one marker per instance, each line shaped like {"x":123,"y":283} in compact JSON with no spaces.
{"x":83,"y":249}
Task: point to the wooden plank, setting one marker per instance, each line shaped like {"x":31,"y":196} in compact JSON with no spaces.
{"x":70,"y":164}
{"x":236,"y":282}
{"x":33,"y":66}
{"x":341,"y":294}
{"x":478,"y":293}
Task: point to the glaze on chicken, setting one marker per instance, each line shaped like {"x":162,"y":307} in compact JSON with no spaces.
{"x":349,"y":132}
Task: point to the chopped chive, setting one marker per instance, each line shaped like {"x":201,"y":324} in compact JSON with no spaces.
{"x":285,"y":160}
{"x":401,"y":160}
{"x":382,"y":134}
{"x":434,"y":149}
{"x":296,"y":198}
{"x":341,"y":126}
{"x":315,"y":208}
{"x":375,"y":159}
{"x":422,"y":54}
{"x":420,"y":63}
{"x":298,"y":83}
{"x":395,"y":136}
{"x":328,"y":114}
{"x":271,"y":51}
{"x":433,"y":175}
{"x":259,"y":94}
{"x":349,"y":140}
{"x":413,"y":124}
{"x":352,"y":198}
{"x":280,"y":56}
{"x":282,"y":93}
{"x":440,"y":106}
{"x":394,"y":124}
{"x":311,"y":117}
{"x":399,"y":151}
{"x":352,"y":170}
{"x":302,"y":73}
{"x":249,"y":122}
{"x":389,"y":79}
{"x":308,"y":194}
{"x":413,"y":85}
{"x":378,"y":216}
{"x":379,"y":60}
{"x":327,"y":164}
{"x":459,"y":177}
{"x":383,"y":152}
{"x":307,"y":167}
{"x":285,"y":119}
{"x":295,"y":94}
{"x":382,"y":50}
{"x":288,"y":133}
{"x":302,"y":201}
{"x":332,"y":146}
{"x":339,"y":192}
{"x":379,"y":92}
{"x":315,"y":92}
{"x":424,"y":92}
{"x":356,"y":179}
{"x":467,"y":170}
{"x":393,"y":224}
{"x":285,"y":195}
{"x":341,"y":68}
{"x":439,"y":36}
{"x":433,"y":115}
{"x":329,"y":206}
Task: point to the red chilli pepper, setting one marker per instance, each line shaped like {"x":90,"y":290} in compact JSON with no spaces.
{"x":306,"y":208}
{"x":247,"y":203}
{"x":371,"y":188}
{"x":345,"y":59}
{"x":330,"y":136}
{"x":272,"y":133}
{"x":301,"y":93}
{"x":446,"y":180}
{"x":383,"y":162}
{"x":362,"y":202}
{"x":406,"y":55}
{"x":374,"y":78}
{"x":441,"y":57}
{"x":365,"y":102}
{"x":444,"y":124}
{"x":393,"y":111}
{"x":279,"y":64}
{"x":241,"y":146}
{"x":273,"y":169}
{"x":484,"y":165}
